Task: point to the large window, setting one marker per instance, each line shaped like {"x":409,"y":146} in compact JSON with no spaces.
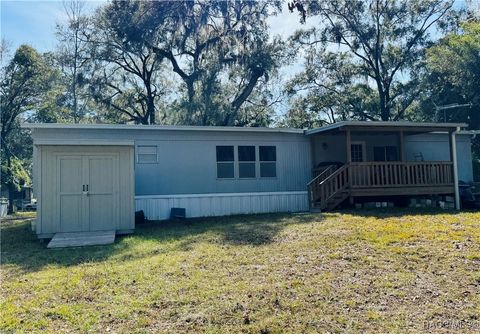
{"x":268,"y":161}
{"x":246,"y":161}
{"x":147,"y":154}
{"x":225,"y":162}
{"x":385,"y":153}
{"x":251,"y":162}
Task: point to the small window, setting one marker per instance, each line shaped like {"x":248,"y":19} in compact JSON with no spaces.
{"x":246,"y":161}
{"x":147,"y":154}
{"x":268,"y":161}
{"x":225,"y":162}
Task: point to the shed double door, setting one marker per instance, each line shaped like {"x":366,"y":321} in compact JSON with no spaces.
{"x":87,"y":192}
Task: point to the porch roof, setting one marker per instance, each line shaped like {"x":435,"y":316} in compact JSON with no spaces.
{"x":387,"y":126}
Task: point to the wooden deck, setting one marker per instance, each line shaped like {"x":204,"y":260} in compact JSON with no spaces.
{"x":332,"y":186}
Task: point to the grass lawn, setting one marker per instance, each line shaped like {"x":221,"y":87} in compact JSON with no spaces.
{"x":350,"y":272}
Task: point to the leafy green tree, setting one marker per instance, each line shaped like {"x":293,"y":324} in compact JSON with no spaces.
{"x":379,"y":44}
{"x":452,"y":75}
{"x":24,"y":79}
{"x":327,"y":91}
{"x":128,"y":75}
{"x":53,"y":104}
{"x":219,"y":50}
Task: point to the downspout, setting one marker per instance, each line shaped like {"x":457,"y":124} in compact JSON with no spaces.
{"x":455,"y":168}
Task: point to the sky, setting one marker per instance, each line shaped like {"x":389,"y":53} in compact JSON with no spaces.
{"x":33,"y":22}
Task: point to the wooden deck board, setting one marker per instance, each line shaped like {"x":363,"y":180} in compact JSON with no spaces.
{"x":78,"y":239}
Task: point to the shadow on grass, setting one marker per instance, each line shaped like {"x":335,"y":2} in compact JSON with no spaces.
{"x":21,"y":247}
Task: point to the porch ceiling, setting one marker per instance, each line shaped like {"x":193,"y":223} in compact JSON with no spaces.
{"x":412,"y":127}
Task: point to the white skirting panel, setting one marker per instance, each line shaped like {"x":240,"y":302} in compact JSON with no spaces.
{"x":207,"y":205}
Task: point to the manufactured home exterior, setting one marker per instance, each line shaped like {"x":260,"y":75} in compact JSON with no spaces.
{"x":94,"y":177}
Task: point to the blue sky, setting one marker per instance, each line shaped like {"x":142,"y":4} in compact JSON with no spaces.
{"x":33,"y":22}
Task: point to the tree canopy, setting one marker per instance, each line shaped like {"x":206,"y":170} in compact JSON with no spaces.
{"x":24,"y":80}
{"x":367,"y":51}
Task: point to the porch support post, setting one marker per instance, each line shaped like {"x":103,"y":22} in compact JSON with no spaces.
{"x":313,"y":154}
{"x":349,"y":160}
{"x":402,"y":146}
{"x":349,"y":146}
{"x":453,"y":157}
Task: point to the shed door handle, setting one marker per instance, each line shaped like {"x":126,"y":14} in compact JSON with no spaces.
{"x":87,"y":187}
{"x":83,"y":187}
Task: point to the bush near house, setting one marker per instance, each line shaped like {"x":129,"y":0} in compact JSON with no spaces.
{"x":476,"y":167}
{"x":351,"y":272}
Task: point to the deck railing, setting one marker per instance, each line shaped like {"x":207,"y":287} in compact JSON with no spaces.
{"x":356,"y":176}
{"x":401,"y":174}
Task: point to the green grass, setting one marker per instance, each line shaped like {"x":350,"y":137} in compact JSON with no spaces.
{"x":351,"y":272}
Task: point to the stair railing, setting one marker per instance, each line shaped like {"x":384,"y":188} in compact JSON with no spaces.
{"x":314,"y":185}
{"x":323,"y":188}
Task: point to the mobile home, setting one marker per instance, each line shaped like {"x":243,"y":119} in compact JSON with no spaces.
{"x":90,"y":177}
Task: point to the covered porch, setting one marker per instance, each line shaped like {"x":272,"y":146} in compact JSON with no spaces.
{"x":355,"y":159}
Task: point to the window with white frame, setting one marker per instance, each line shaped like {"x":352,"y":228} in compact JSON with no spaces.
{"x":147,"y":154}
{"x":225,"y":162}
{"x":268,"y":161}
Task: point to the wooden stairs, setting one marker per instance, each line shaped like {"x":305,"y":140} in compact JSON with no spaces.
{"x":329,"y":189}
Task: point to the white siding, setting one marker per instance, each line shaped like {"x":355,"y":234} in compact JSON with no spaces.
{"x":205,"y":205}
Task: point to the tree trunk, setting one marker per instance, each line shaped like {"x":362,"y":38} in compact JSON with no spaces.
{"x":10,"y":186}
{"x":191,"y":95}
{"x":384,"y":109}
{"x":74,"y":80}
{"x":151,"y":111}
{"x":243,"y":96}
{"x":11,"y":193}
{"x":150,"y":106}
